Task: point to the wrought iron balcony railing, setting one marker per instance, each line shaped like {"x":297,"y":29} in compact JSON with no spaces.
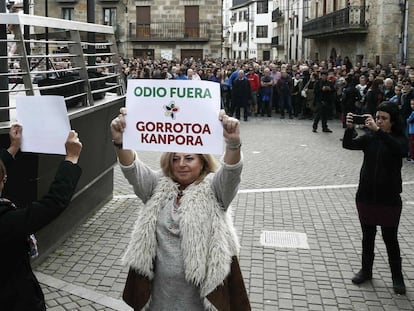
{"x":276,"y":15}
{"x":277,"y":42}
{"x":352,"y":19}
{"x":169,"y":31}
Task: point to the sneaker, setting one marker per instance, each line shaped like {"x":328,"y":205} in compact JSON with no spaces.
{"x":327,"y":130}
{"x":409,"y":160}
{"x":314,"y":130}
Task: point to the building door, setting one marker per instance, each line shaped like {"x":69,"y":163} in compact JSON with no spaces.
{"x":266,"y":55}
{"x":192,"y":23}
{"x":143,"y":21}
{"x":196,"y":54}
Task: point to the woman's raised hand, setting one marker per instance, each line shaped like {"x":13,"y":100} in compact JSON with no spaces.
{"x":118,"y":126}
{"x":231,"y":128}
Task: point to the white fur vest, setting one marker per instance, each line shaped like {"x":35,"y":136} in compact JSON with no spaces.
{"x":208,"y":237}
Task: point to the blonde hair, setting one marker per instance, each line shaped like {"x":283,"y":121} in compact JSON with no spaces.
{"x":210,"y":165}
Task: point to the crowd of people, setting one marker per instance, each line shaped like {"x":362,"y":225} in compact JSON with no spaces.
{"x":315,"y":90}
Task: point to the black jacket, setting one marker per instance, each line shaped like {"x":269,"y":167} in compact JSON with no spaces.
{"x":324,"y":96}
{"x":373,"y":99}
{"x":241,"y":89}
{"x":349,"y":96}
{"x":405,"y":104}
{"x":19,"y":288}
{"x":380,"y":177}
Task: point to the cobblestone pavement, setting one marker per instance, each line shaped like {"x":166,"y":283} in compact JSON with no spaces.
{"x":294,"y":181}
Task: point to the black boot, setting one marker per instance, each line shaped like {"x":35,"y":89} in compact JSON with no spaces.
{"x":365,"y":274}
{"x":362,"y":276}
{"x":397,"y":277}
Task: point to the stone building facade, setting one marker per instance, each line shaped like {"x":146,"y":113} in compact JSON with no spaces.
{"x":367,"y":31}
{"x":172,"y":29}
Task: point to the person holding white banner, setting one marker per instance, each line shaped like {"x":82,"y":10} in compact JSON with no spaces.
{"x":183,"y":249}
{"x":19,"y":288}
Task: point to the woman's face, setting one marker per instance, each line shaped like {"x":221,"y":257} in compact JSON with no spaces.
{"x":186,"y":168}
{"x":383,"y":120}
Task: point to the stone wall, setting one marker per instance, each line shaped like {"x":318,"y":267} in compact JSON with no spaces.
{"x":381,"y":43}
{"x":161,"y":11}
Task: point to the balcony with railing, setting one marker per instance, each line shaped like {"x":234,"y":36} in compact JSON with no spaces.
{"x":169,"y":31}
{"x":276,"y":42}
{"x":277,"y":14}
{"x":350,"y":20}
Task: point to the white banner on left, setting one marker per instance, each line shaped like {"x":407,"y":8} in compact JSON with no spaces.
{"x":45,"y":123}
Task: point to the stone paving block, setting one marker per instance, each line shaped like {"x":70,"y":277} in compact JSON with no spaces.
{"x":257,"y":290}
{"x":299,"y":301}
{"x":256,"y":297}
{"x":63,"y":300}
{"x":71,"y":306}
{"x":285,"y":304}
{"x":312,"y":307}
{"x":57,"y":308}
{"x":314,"y":299}
{"x":329,"y":301}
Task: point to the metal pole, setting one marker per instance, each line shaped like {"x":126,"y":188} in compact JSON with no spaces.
{"x":248,"y":32}
{"x":90,"y":15}
{"x":47,"y":36}
{"x":405,"y":33}
{"x":26,"y":28}
{"x":4,"y":80}
{"x":222,"y":35}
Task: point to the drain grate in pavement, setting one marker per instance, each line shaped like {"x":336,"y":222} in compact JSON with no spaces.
{"x":284,"y":239}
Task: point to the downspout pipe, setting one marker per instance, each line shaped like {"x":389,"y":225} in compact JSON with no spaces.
{"x":405,"y":33}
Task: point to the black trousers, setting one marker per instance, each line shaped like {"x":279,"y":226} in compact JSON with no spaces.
{"x":322,"y":112}
{"x":390,"y":237}
{"x":241,"y":103}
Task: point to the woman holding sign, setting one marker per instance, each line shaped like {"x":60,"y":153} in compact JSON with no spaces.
{"x":183,"y":250}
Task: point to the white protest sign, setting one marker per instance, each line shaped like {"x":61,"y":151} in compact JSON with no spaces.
{"x":173,"y":116}
{"x":45,"y":123}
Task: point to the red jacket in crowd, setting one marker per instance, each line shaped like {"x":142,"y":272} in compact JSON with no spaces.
{"x":254,"y":81}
